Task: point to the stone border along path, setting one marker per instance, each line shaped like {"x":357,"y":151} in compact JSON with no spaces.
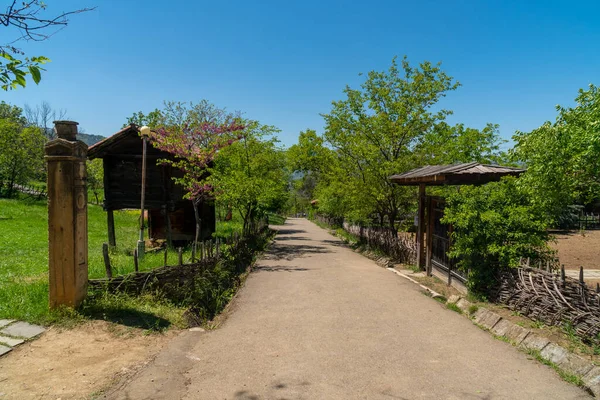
{"x":13,"y":333}
{"x":524,"y":339}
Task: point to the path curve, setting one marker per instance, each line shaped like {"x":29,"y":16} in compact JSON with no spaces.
{"x":318,"y":321}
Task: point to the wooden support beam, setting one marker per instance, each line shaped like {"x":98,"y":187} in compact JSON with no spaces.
{"x":429,"y":234}
{"x":421,"y":228}
{"x":110,"y":222}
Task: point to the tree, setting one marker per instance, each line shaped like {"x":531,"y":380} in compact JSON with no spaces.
{"x":250,"y":174}
{"x":95,"y":177}
{"x":563,"y":158}
{"x":42,"y":116}
{"x":494,"y":225}
{"x":21,"y":153}
{"x":376,"y":128}
{"x":30,"y":21}
{"x":194,"y":142}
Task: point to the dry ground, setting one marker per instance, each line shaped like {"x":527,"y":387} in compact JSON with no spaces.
{"x":576,"y":249}
{"x":73,"y":363}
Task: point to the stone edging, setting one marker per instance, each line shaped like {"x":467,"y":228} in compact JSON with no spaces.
{"x":525,"y":339}
{"x":13,"y":333}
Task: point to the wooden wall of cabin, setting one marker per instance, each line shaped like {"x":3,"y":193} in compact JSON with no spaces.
{"x":182,"y":222}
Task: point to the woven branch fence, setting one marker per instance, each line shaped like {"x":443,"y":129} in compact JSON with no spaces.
{"x":553,"y":298}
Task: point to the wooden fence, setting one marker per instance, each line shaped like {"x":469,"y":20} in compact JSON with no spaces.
{"x":548,"y":295}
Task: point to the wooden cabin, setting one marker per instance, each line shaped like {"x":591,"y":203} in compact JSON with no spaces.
{"x":170,"y":216}
{"x":433,"y":237}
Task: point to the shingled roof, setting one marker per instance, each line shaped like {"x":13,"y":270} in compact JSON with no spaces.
{"x":457,"y":174}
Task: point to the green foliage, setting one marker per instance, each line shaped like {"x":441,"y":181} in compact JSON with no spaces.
{"x":13,"y":72}
{"x":95,"y":178}
{"x":493,"y":226}
{"x":563,"y":158}
{"x":375,"y":129}
{"x":249,"y":176}
{"x":454,"y":307}
{"x":21,"y":150}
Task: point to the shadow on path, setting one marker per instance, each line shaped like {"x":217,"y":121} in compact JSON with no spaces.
{"x":288,"y":252}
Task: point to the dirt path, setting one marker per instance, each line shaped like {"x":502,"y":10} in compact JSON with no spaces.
{"x":318,"y":321}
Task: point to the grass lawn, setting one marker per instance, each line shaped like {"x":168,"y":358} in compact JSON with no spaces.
{"x":24,"y":262}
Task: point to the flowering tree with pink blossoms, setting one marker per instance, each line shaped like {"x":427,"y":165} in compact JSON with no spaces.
{"x":195,"y":146}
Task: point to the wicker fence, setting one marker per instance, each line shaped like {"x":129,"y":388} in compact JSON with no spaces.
{"x":551,"y":297}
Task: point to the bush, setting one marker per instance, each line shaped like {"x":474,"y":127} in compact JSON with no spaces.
{"x":494,"y":225}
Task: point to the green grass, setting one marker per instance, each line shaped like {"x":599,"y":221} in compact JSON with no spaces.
{"x":24,"y":259}
{"x":276,"y":219}
{"x":454,"y":307}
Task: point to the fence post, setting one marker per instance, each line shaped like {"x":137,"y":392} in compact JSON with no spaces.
{"x":180,"y":256}
{"x":106,"y":260}
{"x":67,"y":216}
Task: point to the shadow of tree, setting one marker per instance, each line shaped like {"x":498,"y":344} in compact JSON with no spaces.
{"x":279,"y":268}
{"x":126,"y":316}
{"x":289,"y":252}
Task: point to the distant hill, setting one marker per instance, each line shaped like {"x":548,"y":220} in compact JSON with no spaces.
{"x":89,"y":139}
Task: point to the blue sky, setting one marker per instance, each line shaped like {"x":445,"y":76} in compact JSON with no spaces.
{"x":284,"y":62}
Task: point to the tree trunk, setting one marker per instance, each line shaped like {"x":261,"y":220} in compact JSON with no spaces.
{"x":198,"y":226}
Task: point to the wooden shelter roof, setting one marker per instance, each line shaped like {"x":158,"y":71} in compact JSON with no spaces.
{"x":457,"y":174}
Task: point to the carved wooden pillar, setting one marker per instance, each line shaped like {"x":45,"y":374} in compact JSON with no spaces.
{"x":67,"y":216}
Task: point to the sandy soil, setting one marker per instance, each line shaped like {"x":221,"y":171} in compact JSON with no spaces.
{"x":575,"y":249}
{"x":75,"y":363}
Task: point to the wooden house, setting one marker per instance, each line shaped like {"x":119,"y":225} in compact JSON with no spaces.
{"x":170,"y":216}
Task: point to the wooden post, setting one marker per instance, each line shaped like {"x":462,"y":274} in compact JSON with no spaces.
{"x":141,"y":247}
{"x":581,"y":275}
{"x":106,"y":260}
{"x":421,"y":228}
{"x":429,"y":234}
{"x":166,"y":255}
{"x":180,"y":255}
{"x":67,"y":217}
{"x":194,"y":245}
{"x":110,"y":222}
{"x":562,"y":275}
{"x":168,"y":226}
{"x":135,"y":260}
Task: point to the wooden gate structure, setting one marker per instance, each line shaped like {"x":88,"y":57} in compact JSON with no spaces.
{"x":433,"y":237}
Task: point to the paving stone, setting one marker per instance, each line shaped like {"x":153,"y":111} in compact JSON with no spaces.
{"x":453,"y":299}
{"x":4,"y":350}
{"x":516,"y":334}
{"x":22,"y":329}
{"x":576,"y":365}
{"x":592,"y":381}
{"x":555,"y":353}
{"x":487,"y":318}
{"x":4,"y":322}
{"x":464,"y":305}
{"x":534,"y":342}
{"x":502,"y":327}
{"x":12,"y":342}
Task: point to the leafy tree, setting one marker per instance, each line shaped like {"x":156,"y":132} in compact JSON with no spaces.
{"x":250,"y":174}
{"x":563,"y":158}
{"x":493,"y":226}
{"x":95,"y":177}
{"x":376,"y":128}
{"x":21,"y":153}
{"x":194,"y":142}
{"x":29,"y":20}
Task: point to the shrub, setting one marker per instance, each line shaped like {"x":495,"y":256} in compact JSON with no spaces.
{"x":493,"y":226}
